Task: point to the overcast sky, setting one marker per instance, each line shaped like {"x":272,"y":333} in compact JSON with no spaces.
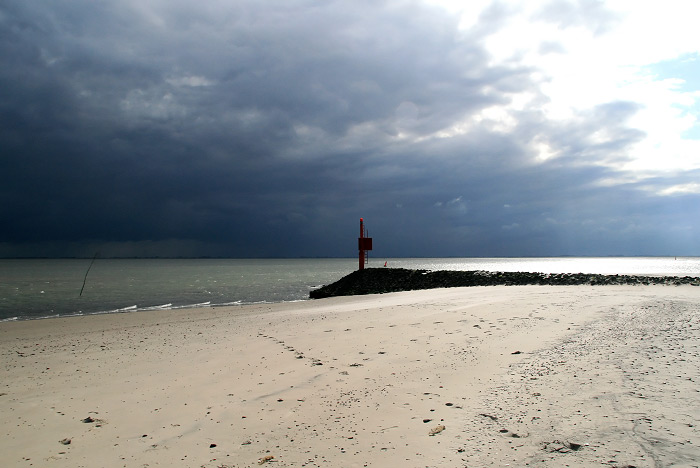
{"x":268,"y":128}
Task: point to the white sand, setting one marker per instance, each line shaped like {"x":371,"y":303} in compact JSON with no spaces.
{"x":611,"y":371}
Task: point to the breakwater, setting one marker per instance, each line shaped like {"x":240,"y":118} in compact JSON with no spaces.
{"x":384,"y":280}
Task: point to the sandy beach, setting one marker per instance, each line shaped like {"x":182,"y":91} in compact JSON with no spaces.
{"x":544,"y":376}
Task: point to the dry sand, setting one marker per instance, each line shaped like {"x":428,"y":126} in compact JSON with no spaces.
{"x":491,"y":376}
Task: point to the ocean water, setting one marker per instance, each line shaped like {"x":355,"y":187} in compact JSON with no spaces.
{"x":39,"y":288}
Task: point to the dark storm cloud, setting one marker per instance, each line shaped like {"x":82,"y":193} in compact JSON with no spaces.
{"x":268,"y":128}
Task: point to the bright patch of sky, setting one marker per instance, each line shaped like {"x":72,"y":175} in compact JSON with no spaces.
{"x":684,"y":74}
{"x":589,"y":52}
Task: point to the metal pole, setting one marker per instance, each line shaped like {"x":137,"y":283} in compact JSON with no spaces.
{"x":362,"y":252}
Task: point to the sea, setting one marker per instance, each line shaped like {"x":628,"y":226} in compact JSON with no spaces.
{"x":43,"y":288}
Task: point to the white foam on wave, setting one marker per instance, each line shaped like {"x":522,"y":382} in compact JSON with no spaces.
{"x":159,"y":307}
{"x":74,"y":314}
{"x":194,"y":306}
{"x":51,"y":316}
{"x":224,"y":304}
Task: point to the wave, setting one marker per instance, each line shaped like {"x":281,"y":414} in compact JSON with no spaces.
{"x":158,"y":307}
{"x":224,"y":304}
{"x":193,"y":306}
{"x":136,"y":308}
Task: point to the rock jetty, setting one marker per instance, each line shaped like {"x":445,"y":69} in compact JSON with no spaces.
{"x":384,"y":280}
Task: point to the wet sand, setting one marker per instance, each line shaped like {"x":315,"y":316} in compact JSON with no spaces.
{"x":545,"y":376}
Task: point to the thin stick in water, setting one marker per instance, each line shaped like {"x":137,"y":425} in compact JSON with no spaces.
{"x":86,"y":273}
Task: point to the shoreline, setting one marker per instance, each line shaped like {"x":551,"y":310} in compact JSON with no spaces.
{"x":385,"y":280}
{"x":136,"y":309}
{"x":52,"y":287}
{"x":578,"y":375}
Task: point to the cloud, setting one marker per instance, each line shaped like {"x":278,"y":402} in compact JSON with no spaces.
{"x":590,"y":14}
{"x":267,"y":128}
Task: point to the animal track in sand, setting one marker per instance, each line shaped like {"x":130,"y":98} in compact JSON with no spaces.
{"x":298,"y":354}
{"x":512,"y":434}
{"x":561,"y":447}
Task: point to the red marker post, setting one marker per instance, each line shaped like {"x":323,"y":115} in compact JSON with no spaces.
{"x":364,"y":244}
